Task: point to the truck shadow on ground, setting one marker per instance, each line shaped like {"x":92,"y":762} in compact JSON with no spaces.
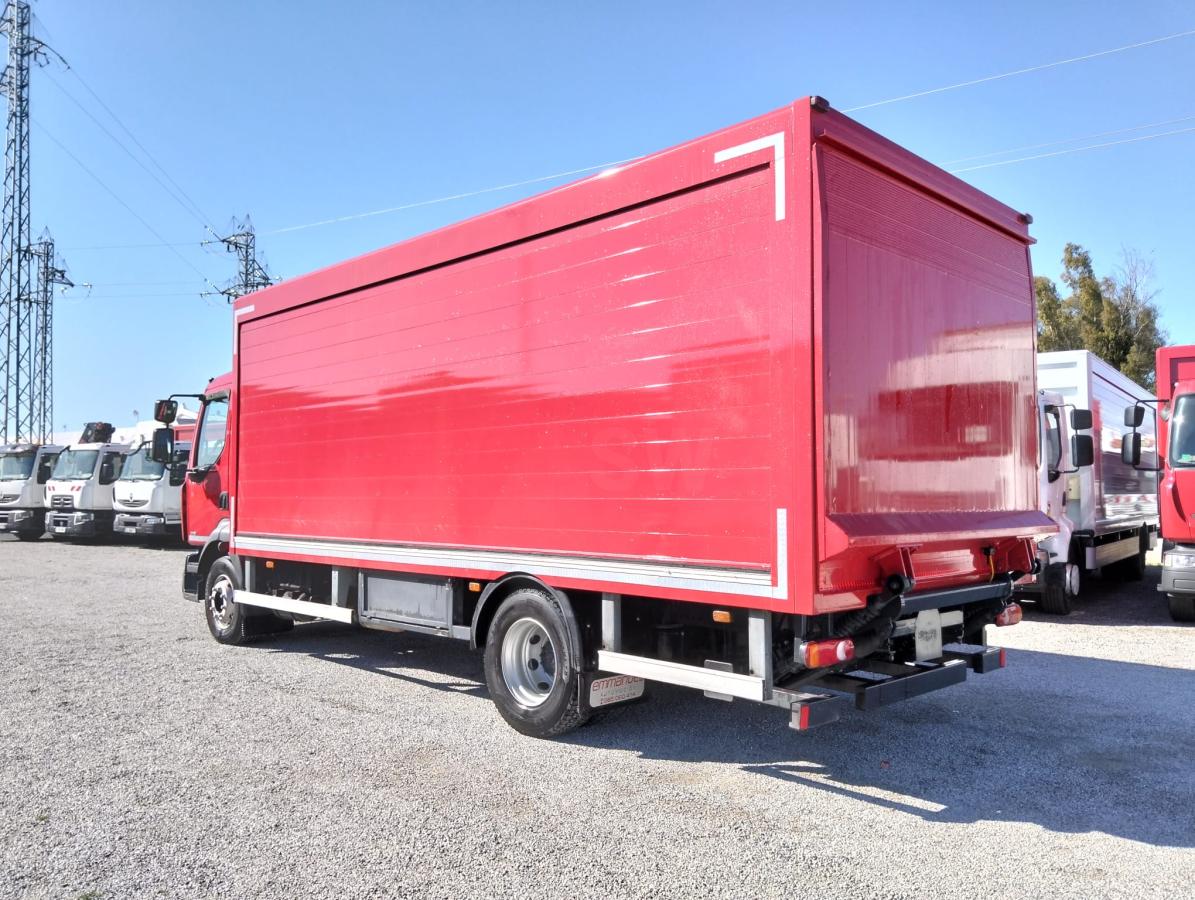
{"x":1111,"y":600}
{"x":1069,"y":743}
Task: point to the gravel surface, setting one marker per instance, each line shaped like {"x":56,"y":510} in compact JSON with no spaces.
{"x":140,"y":758}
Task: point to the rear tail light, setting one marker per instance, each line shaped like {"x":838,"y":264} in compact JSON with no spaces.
{"x":819,"y":654}
{"x":1010,"y":615}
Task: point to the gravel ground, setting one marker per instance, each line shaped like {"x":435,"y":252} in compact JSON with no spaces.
{"x":140,"y":758}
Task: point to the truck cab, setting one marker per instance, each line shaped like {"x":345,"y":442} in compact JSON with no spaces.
{"x":206,"y":508}
{"x":147,"y":498}
{"x":24,"y":471}
{"x":79,"y":492}
{"x":1177,"y":496}
{"x":1062,"y":452}
{"x":1176,"y":467}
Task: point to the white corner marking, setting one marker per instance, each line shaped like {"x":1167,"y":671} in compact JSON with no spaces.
{"x":776,"y":142}
{"x":780,"y":591}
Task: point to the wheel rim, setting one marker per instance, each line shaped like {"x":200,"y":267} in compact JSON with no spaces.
{"x":528,"y":662}
{"x":219,"y":600}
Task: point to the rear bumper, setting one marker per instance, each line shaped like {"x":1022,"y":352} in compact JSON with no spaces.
{"x":22,"y":521}
{"x":881,"y":684}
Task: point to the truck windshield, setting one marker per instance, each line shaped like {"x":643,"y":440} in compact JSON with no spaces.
{"x":139,"y":467}
{"x":16,"y":466}
{"x":75,"y":465}
{"x":1182,"y":437}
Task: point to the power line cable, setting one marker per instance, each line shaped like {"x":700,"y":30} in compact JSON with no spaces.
{"x":115,"y":118}
{"x":445,"y":199}
{"x":121,"y":201}
{"x":1024,"y":71}
{"x":1009,"y":162}
{"x":1082,"y":137}
{"x":190,"y":210}
{"x":134,"y":246}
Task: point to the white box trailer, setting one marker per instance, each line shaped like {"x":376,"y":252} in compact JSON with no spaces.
{"x":1112,"y":508}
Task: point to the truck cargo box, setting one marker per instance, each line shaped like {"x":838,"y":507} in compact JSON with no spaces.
{"x":1111,"y":495}
{"x":769,"y":367}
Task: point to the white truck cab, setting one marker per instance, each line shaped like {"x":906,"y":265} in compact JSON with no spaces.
{"x":1059,"y":460}
{"x":24,"y":471}
{"x":147,"y":498}
{"x":79,"y":492}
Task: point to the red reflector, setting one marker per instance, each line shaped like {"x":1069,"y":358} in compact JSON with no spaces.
{"x":1003,"y":663}
{"x":1010,"y":615}
{"x":819,"y":654}
{"x":803,"y":720}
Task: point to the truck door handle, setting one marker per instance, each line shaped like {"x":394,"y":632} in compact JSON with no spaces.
{"x":223,"y":500}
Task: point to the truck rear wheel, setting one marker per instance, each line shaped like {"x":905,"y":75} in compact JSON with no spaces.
{"x":1133,"y":568}
{"x":530,"y":671}
{"x":231,"y":622}
{"x":1055,"y":597}
{"x":1182,"y":607}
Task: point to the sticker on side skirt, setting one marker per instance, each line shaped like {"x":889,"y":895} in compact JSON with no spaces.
{"x":615,"y":689}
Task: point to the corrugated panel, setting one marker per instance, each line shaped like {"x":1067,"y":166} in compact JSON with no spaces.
{"x":928,"y":355}
{"x":604,"y":389}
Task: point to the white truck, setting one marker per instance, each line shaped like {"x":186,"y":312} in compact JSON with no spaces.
{"x":147,"y":498}
{"x":24,"y":471}
{"x":79,"y":492}
{"x":1107,"y":512}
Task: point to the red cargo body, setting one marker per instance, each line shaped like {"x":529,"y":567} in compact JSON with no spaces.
{"x":767,"y":368}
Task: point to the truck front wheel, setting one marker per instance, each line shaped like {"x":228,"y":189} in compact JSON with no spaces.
{"x":226,"y":619}
{"x":530,"y":671}
{"x":1182,"y":607}
{"x":231,"y":622}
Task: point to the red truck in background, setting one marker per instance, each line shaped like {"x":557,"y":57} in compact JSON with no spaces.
{"x":1176,"y":487}
{"x":753,"y":415}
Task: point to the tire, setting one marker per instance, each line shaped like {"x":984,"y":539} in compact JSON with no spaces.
{"x":1133,"y":568}
{"x":1055,"y":598}
{"x":528,"y":641}
{"x":1182,"y":607}
{"x":234,"y":623}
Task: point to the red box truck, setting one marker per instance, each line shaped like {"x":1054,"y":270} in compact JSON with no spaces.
{"x":754,"y":415}
{"x":1176,"y":463}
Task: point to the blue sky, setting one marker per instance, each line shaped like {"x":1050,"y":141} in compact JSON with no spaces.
{"x":299,"y":111}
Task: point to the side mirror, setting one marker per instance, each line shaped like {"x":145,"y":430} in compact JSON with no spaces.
{"x":1130,"y":446}
{"x":162,"y":450}
{"x":1080,"y":419}
{"x":1134,"y":416}
{"x":1082,"y":450}
{"x":107,"y":471}
{"x":44,"y":468}
{"x":199,"y":475}
{"x":166,"y":411}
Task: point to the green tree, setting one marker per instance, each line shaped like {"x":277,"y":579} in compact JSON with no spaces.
{"x":1114,"y":317}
